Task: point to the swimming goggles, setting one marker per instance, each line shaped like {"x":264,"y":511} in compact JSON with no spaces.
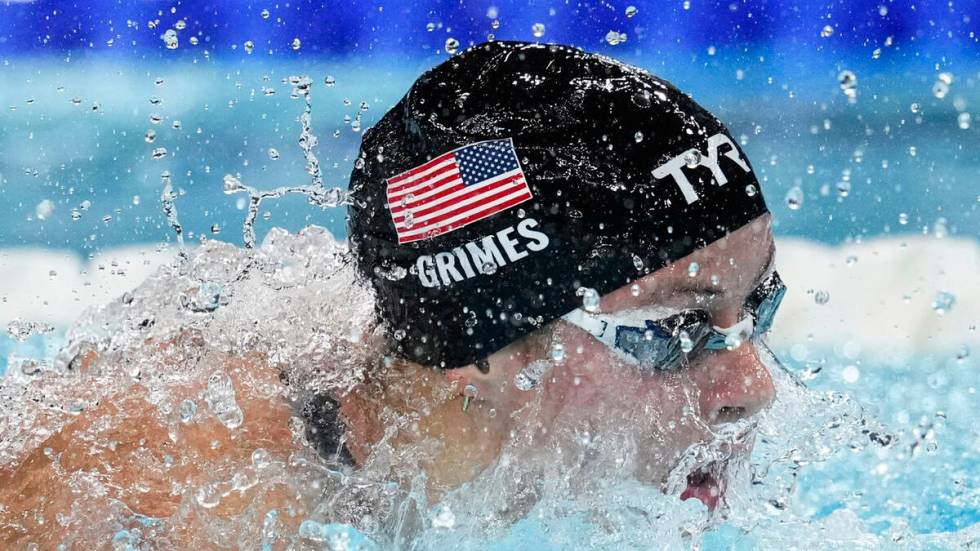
{"x":653,"y":340}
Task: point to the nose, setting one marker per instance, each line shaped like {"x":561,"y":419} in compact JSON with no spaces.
{"x":733,"y":384}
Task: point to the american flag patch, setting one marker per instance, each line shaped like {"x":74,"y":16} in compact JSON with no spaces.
{"x":456,"y":188}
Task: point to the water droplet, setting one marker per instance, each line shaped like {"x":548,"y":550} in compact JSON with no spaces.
{"x":21,"y":330}
{"x":261,"y":458}
{"x":265,"y":14}
{"x":215,"y":229}
{"x":692,"y":158}
{"x":943,"y":302}
{"x":452,"y":45}
{"x":208,"y":496}
{"x":848,"y":83}
{"x":188,"y":410}
{"x":159,"y":153}
{"x":939,"y":228}
{"x":249,"y":47}
{"x":750,"y":190}
{"x":964,"y":121}
{"x":537,"y":30}
{"x":395,"y":273}
{"x":232,"y":184}
{"x":638,"y":263}
{"x":488,"y":268}
{"x":962,"y":353}
{"x":495,"y":24}
{"x":329,"y":80}
{"x":155,"y":118}
{"x":220,"y":398}
{"x":686,"y":5}
{"x":296,"y":44}
{"x":399,"y":334}
{"x":635,"y":290}
{"x":44,"y":209}
{"x":940,"y":89}
{"x":631,"y":11}
{"x":914,"y":107}
{"x":638,"y":136}
{"x":170,"y":39}
{"x":273,"y":154}
{"x":843,"y":188}
{"x":851,"y":374}
{"x":557,"y":352}
{"x":733,"y":341}
{"x":590,"y":298}
{"x":903,"y":218}
{"x":530,"y":376}
{"x":912,"y":151}
{"x":821,"y":297}
{"x":614,"y":38}
{"x":876,"y":53}
{"x":693,"y":269}
{"x":827,"y":31}
{"x":430,"y":26}
{"x":180,"y":25}
{"x":193,"y":40}
{"x":851,"y":260}
{"x":794,"y":198}
{"x":444,"y":518}
{"x":686,"y":343}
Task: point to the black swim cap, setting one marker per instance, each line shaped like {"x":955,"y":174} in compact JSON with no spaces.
{"x":513,"y":174}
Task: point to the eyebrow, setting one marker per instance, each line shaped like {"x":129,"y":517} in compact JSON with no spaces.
{"x":699,"y":288}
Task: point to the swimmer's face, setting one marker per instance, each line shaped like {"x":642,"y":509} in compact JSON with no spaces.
{"x":595,"y":391}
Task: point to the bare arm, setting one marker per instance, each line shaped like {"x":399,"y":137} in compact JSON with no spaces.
{"x":124,"y":453}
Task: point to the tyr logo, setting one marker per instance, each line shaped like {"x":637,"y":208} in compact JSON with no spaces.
{"x":675,"y":166}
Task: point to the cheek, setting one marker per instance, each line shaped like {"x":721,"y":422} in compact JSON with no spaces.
{"x":593,"y":383}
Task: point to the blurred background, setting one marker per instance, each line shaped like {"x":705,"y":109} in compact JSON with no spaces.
{"x":862,"y":119}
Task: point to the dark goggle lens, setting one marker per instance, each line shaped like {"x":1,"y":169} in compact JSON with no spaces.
{"x":660,"y":344}
{"x":764,"y":302}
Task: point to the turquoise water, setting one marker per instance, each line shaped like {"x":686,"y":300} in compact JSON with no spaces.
{"x":899,"y":148}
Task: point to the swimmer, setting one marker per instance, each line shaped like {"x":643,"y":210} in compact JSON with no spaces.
{"x":558,"y":245}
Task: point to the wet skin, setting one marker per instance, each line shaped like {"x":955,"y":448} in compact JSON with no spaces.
{"x":123,"y":443}
{"x":593,"y":388}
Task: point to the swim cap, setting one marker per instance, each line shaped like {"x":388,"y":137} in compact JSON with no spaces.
{"x":513,"y":176}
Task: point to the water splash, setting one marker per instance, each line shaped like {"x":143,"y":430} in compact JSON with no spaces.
{"x":316,"y":194}
{"x":168,"y":198}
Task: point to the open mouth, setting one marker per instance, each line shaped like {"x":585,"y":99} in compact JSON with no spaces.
{"x":707,"y":484}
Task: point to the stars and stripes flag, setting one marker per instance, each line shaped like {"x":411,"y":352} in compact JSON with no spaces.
{"x":456,"y":188}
